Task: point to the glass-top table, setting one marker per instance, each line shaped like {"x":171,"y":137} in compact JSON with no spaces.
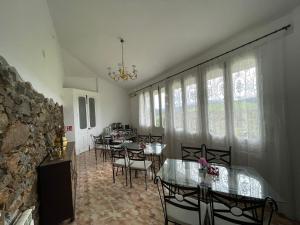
{"x":151,"y":148}
{"x":242,"y":181}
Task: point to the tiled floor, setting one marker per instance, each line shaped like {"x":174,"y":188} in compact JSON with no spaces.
{"x":101,"y":202}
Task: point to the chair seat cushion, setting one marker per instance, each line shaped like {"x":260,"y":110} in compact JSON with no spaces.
{"x":184,"y":216}
{"x":140,"y":165}
{"x":121,"y":162}
{"x":220,"y":221}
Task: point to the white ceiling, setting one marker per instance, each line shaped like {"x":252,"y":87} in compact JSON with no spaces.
{"x":159,"y":34}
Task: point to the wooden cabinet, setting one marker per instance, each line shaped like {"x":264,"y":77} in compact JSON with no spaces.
{"x":57,"y":180}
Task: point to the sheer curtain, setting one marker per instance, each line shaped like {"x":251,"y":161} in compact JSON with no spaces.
{"x":145,"y":114}
{"x":183,"y":116}
{"x":214,"y":126}
{"x":258,"y":129}
{"x":238,"y":101}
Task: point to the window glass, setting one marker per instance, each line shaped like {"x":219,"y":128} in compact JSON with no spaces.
{"x":245,"y":99}
{"x":82,"y":113}
{"x":141,"y":110}
{"x":163,"y":106}
{"x":215,"y":102}
{"x":92,"y":112}
{"x":144,"y":110}
{"x":156,"y":108}
{"x":147,"y":110}
{"x":191,"y":111}
{"x":177,"y":106}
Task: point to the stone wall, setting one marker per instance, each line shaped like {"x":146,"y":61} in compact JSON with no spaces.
{"x":28,"y":123}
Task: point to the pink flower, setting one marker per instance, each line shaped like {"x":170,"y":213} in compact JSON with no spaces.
{"x":203,"y":162}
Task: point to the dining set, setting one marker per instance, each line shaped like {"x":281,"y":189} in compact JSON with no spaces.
{"x":190,"y":194}
{"x":143,"y":154}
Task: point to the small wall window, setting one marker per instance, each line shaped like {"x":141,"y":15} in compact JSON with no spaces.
{"x":82,"y":113}
{"x":92,"y":112}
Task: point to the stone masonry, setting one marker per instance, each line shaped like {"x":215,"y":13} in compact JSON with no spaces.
{"x":29,"y":123}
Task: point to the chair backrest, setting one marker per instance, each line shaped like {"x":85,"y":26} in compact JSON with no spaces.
{"x":97,"y":139}
{"x":191,"y":153}
{"x":156,"y":139}
{"x":240,"y":210}
{"x":218,"y":156}
{"x":186,"y":198}
{"x":136,"y":155}
{"x":118,"y":153}
{"x":144,"y":138}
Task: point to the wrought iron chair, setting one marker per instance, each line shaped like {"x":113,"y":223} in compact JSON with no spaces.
{"x":138,"y":162}
{"x":218,"y":156}
{"x":181,"y":205}
{"x":144,"y":138}
{"x":119,"y":159}
{"x":191,"y":153}
{"x":98,"y":145}
{"x":227,"y":209}
{"x":156,"y":139}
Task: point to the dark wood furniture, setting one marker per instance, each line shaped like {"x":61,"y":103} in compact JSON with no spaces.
{"x":57,"y":188}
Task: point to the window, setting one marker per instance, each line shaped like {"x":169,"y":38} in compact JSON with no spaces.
{"x":141,"y":110}
{"x":215,"y":102}
{"x":246,"y":118}
{"x":147,"y":110}
{"x":92,"y":112}
{"x":82,"y":113}
{"x":144,"y":110}
{"x":163,"y":106}
{"x":177,"y":106}
{"x":156,"y":112}
{"x":191,"y":106}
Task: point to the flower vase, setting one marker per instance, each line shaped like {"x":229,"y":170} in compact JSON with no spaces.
{"x":203,"y":170}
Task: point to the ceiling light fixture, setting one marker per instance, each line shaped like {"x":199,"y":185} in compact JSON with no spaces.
{"x":122,"y":72}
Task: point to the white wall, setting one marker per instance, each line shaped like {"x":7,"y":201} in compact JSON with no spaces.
{"x":68,"y":108}
{"x":293,"y":105}
{"x":28,"y":42}
{"x":292,"y":85}
{"x":112,"y":101}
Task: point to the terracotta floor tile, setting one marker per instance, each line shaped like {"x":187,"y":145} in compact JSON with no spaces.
{"x":102,"y":202}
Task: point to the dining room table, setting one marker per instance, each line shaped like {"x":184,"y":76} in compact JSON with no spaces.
{"x":234,"y":180}
{"x":152,"y":150}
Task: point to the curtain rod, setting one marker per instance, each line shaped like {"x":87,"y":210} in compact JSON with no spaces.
{"x":215,"y":57}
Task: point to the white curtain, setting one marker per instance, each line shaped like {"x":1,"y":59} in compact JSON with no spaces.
{"x":238,"y":101}
{"x":145,"y":113}
{"x":183,"y":115}
{"x":214,"y":115}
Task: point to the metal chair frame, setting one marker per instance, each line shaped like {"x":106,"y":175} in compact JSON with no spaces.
{"x":249,"y":208}
{"x":218,"y":156}
{"x":156,"y":139}
{"x":119,"y":153}
{"x":169,"y":192}
{"x":144,"y":138}
{"x":191,"y":153}
{"x":137,"y":156}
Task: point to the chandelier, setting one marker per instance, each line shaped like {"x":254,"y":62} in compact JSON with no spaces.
{"x":122,"y":72}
